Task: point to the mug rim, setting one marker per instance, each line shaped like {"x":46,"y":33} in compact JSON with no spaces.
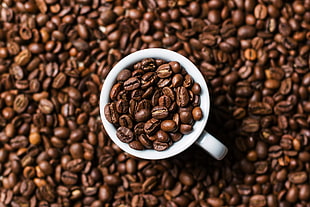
{"x":167,"y":55}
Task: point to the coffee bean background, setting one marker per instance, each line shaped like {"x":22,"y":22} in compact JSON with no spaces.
{"x":55,"y":54}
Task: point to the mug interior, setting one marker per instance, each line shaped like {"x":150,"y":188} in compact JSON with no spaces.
{"x":167,"y":55}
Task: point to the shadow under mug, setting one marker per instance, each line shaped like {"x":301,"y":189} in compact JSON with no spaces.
{"x":199,"y":136}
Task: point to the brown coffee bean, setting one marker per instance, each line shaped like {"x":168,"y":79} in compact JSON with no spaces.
{"x":197,"y":113}
{"x":131,"y":84}
{"x":160,"y":146}
{"x":182,"y":96}
{"x":144,"y":140}
{"x":260,"y":11}
{"x":164,"y":71}
{"x":137,"y":145}
{"x":246,"y":31}
{"x":20,"y":103}
{"x":168,"y":126}
{"x":110,"y":113}
{"x":46,"y":106}
{"x":69,"y":178}
{"x":304,"y":193}
{"x":250,"y":54}
{"x":250,"y":125}
{"x":162,"y":136}
{"x":46,"y":167}
{"x":186,"y":128}
{"x":297,"y":177}
{"x":292,"y":194}
{"x":260,"y":108}
{"x":23,"y":57}
{"x":126,"y":121}
{"x":160,"y":112}
{"x":177,"y":80}
{"x":124,"y":134}
{"x":75,"y":166}
{"x":76,"y":150}
{"x":124,"y":75}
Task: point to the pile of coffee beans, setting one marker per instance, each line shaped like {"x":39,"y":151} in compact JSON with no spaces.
{"x":153,"y":104}
{"x":55,"y":54}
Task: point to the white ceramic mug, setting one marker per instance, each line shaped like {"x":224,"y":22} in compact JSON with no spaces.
{"x":198,"y":135}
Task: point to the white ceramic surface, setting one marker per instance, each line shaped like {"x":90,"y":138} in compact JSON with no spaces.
{"x":218,"y":150}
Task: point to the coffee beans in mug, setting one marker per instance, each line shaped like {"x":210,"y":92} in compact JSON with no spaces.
{"x":153,"y":101}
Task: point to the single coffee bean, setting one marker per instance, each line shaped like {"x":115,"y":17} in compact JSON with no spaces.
{"x":124,"y":134}
{"x":162,"y":136}
{"x":23,"y":57}
{"x":260,"y":108}
{"x":124,"y":75}
{"x":126,"y":121}
{"x":137,"y":145}
{"x":164,"y":71}
{"x":110,"y":113}
{"x":186,"y":128}
{"x":143,"y":115}
{"x":160,"y":112}
{"x":168,"y":126}
{"x":20,"y":103}
{"x":145,"y":141}
{"x":69,"y":178}
{"x":197,"y":113}
{"x":132,"y":84}
{"x":188,"y":81}
{"x":122,"y":106}
{"x":186,"y":117}
{"x":182,"y":96}
{"x":177,"y":80}
{"x":76,"y":165}
{"x":298,"y":177}
{"x":160,"y":146}
{"x":115,"y":90}
{"x":46,"y":106}
{"x":165,"y":101}
{"x":151,"y":126}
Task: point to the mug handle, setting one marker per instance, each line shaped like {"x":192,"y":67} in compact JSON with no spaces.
{"x":213,"y":146}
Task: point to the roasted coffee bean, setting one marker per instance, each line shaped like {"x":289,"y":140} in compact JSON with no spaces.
{"x":69,"y":178}
{"x":160,"y":112}
{"x":111,"y":114}
{"x":115,"y":91}
{"x":298,"y":177}
{"x":145,"y":141}
{"x":260,"y":108}
{"x":124,"y":134}
{"x":168,"y":126}
{"x":122,"y":106}
{"x":137,"y":145}
{"x":143,"y":115}
{"x":177,"y":80}
{"x":164,"y":101}
{"x":75,"y":166}
{"x":186,"y":117}
{"x":148,"y":80}
{"x":160,"y":146}
{"x":164,"y":71}
{"x":126,"y":121}
{"x":182,"y":96}
{"x":162,"y":136}
{"x":197,"y":113}
{"x":132,"y":84}
{"x":151,"y":126}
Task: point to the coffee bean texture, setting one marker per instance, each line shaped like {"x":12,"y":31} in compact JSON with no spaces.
{"x":55,"y":55}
